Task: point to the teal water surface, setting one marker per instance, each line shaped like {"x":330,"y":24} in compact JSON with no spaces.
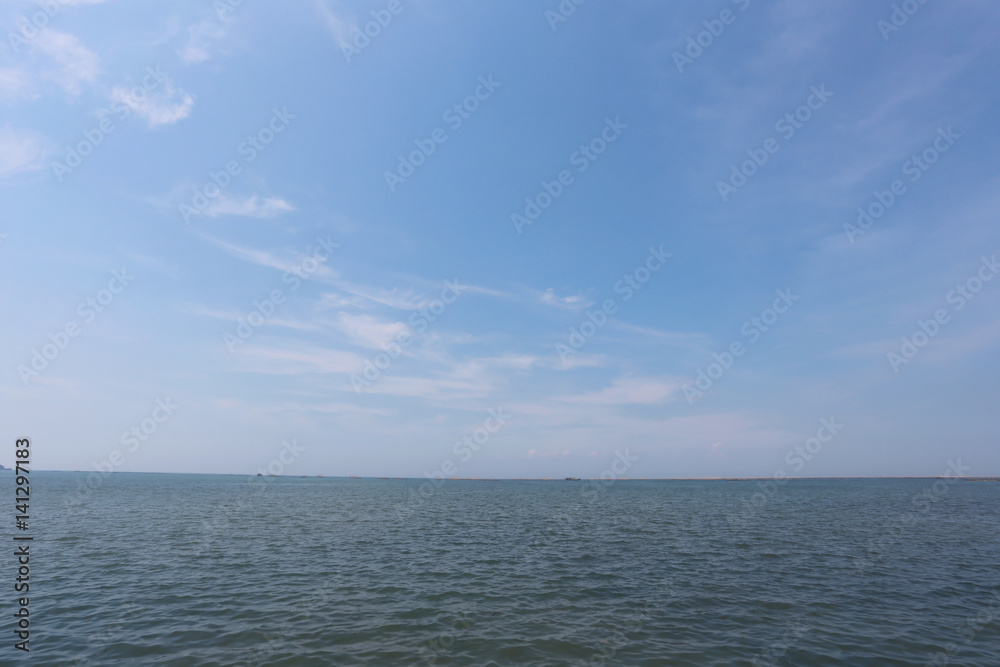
{"x":199,"y":570}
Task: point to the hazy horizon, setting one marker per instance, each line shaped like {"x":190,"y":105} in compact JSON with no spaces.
{"x":740,"y":240}
{"x":528,"y":479}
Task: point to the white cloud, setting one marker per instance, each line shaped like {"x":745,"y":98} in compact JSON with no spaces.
{"x":21,"y":150}
{"x":334,"y":408}
{"x":419,"y":293}
{"x":394,"y":298}
{"x":573,"y":301}
{"x":331,"y":300}
{"x":534,"y":452}
{"x":249,"y":207}
{"x":629,"y":390}
{"x":339,"y":26}
{"x":156,"y":107}
{"x":693,"y":341}
{"x":75,"y":64}
{"x":447,"y":390}
{"x":576,"y":361}
{"x":368,"y":331}
{"x":202,"y":40}
{"x":233,"y":315}
{"x":267,"y":259}
{"x":16,"y":84}
{"x":297,"y":359}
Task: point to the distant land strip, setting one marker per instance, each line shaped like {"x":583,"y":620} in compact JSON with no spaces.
{"x":552,"y":479}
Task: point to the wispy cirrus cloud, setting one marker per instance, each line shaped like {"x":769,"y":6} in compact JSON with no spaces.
{"x":203,"y":40}
{"x":338,"y":25}
{"x":296,"y":358}
{"x":332,"y":300}
{"x":397,"y":298}
{"x":21,"y":150}
{"x":248,"y":207}
{"x":232,"y":315}
{"x":289,"y":261}
{"x":695,"y":341}
{"x":157,"y":107}
{"x":575,"y":361}
{"x":630,"y":390}
{"x":572,"y":301}
{"x":74,"y":64}
{"x":368,"y":331}
{"x":16,"y":84}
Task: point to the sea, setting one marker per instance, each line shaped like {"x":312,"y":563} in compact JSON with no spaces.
{"x":220,"y":570}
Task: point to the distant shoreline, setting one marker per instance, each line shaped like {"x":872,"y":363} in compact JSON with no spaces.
{"x":977,"y":478}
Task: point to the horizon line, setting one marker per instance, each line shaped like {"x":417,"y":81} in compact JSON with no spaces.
{"x":535,"y":479}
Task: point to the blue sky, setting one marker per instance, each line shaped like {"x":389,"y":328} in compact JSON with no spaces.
{"x":633,"y":144}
